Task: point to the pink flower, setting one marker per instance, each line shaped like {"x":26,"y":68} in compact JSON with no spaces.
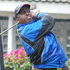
{"x":16,"y":51}
{"x":16,"y":58}
{"x":20,"y":64}
{"x":21,"y":53}
{"x":16,"y":55}
{"x":22,"y":49}
{"x":19,"y":61}
{"x":5,"y":55}
{"x":11,"y":53}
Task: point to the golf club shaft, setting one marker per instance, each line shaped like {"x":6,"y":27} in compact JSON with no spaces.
{"x":9,"y":28}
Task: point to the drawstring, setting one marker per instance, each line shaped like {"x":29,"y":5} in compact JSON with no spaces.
{"x":9,"y":28}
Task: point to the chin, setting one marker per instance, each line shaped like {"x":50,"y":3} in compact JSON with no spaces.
{"x":29,"y":20}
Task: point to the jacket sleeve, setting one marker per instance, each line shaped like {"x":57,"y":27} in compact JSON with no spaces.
{"x":48,"y":24}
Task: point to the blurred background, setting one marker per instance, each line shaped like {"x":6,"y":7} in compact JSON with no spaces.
{"x":59,"y":9}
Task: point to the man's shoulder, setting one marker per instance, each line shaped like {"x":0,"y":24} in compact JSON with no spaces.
{"x":41,"y":14}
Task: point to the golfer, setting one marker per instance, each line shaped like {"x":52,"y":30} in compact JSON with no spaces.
{"x":42,"y":47}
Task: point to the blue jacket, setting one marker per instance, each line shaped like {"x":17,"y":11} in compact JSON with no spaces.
{"x":52,"y":55}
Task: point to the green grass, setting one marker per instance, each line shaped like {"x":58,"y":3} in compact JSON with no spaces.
{"x":61,"y":69}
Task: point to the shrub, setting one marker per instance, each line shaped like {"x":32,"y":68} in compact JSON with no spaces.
{"x":16,"y":60}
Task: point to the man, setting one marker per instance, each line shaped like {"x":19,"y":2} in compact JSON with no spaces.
{"x":40,"y":44}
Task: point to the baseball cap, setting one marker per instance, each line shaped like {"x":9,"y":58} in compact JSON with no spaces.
{"x":19,"y":7}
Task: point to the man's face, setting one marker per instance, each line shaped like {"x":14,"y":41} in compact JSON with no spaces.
{"x":24,"y":16}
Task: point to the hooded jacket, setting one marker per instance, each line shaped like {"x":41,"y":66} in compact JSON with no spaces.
{"x":40,"y":44}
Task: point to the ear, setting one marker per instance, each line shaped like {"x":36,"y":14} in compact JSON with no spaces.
{"x":17,"y":19}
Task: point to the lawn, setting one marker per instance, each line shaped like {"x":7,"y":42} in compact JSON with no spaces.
{"x":61,"y":69}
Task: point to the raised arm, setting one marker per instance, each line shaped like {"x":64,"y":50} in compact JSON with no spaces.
{"x":48,"y":24}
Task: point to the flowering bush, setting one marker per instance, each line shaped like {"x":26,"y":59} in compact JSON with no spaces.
{"x":68,"y":63}
{"x":16,"y":60}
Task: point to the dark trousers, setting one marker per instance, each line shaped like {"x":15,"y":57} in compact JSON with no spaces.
{"x":50,"y":69}
{"x":44,"y":69}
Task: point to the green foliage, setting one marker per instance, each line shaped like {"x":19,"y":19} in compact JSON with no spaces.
{"x":68,"y":62}
{"x":16,"y":60}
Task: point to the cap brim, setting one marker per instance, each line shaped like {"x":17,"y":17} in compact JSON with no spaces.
{"x":22,"y":7}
